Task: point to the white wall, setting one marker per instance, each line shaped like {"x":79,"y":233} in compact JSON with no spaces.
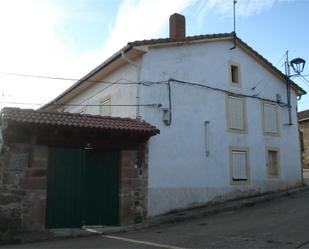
{"x":180,"y":175}
{"x":119,"y":93}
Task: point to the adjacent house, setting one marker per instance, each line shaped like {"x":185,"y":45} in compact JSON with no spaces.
{"x":221,"y":109}
{"x":303,"y":119}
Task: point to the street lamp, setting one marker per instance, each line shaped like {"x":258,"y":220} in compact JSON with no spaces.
{"x":298,"y":65}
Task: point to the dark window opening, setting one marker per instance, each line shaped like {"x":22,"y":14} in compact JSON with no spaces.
{"x":235,"y":74}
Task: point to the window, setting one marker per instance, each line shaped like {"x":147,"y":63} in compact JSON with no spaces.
{"x":105,"y":107}
{"x":234,"y":73}
{"x":270,"y":119}
{"x":236,"y":117}
{"x":239,"y":165}
{"x":272,"y":163}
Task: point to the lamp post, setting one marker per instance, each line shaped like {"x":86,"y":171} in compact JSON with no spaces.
{"x":297,"y":65}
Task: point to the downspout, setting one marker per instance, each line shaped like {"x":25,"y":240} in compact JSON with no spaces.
{"x":138,"y":85}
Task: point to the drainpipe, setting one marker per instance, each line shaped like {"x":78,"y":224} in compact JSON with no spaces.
{"x":138,"y":85}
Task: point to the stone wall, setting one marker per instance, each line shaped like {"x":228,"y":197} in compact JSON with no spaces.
{"x":304,"y":128}
{"x":133,"y":186}
{"x":23,"y":174}
{"x":23,"y":188}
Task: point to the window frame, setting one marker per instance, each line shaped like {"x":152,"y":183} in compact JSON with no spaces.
{"x":267,"y":133}
{"x":230,"y":65}
{"x":101,"y":101}
{"x":228,"y":115}
{"x":239,"y":149}
{"x":277,"y":150}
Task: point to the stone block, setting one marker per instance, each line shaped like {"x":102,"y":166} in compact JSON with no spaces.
{"x":128,"y":158}
{"x":40,"y":153}
{"x":36,"y":163}
{"x":8,"y":199}
{"x":16,"y":161}
{"x":33,"y":183}
{"x":19,"y":148}
{"x":129,"y":173}
{"x":132,"y":183}
{"x":34,"y":172}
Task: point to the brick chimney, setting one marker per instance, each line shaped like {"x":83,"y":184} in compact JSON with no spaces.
{"x":177,"y":26}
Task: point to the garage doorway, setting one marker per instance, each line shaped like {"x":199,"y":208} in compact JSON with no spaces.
{"x":82,"y":187}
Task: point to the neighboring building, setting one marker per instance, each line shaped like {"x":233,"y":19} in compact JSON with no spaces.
{"x":221,"y":111}
{"x":303,"y":120}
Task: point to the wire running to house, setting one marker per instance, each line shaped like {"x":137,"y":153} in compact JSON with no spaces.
{"x":82,"y":105}
{"x":223,"y":90}
{"x":128,"y":82}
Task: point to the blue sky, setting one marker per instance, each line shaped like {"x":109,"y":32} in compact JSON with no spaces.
{"x":67,"y":38}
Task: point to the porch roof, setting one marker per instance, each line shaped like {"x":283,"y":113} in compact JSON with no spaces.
{"x":74,"y":120}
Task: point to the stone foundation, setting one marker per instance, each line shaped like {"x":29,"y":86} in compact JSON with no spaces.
{"x":22,"y":189}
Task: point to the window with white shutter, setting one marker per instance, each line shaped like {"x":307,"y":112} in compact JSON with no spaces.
{"x":105,"y":107}
{"x":272,"y":162}
{"x":239,"y":165}
{"x":270,"y":119}
{"x":236,"y":113}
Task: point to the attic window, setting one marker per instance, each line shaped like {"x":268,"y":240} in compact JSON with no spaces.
{"x":235,"y":74}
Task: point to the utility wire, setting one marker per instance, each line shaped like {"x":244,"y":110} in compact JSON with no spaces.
{"x":89,"y":81}
{"x":40,"y":104}
{"x":223,"y":90}
{"x":303,"y":77}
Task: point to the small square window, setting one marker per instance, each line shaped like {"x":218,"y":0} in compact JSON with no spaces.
{"x":272,"y":163}
{"x":235,"y":74}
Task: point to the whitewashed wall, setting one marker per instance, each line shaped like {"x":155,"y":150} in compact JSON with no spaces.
{"x":180,"y":175}
{"x":119,"y":93}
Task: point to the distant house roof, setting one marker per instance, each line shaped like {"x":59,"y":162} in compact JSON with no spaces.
{"x":65,"y":119}
{"x":171,"y":41}
{"x":303,"y":115}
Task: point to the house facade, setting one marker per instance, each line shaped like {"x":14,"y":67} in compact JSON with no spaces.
{"x":221,"y":109}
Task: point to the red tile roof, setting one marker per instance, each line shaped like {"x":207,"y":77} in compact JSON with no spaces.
{"x":38,"y":117}
{"x":303,"y":116}
{"x":184,"y":39}
{"x":187,"y":39}
{"x":216,"y":36}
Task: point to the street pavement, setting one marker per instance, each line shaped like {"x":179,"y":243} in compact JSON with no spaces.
{"x":280,"y":223}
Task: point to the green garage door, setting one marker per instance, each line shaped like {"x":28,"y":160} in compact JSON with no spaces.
{"x":82,"y":188}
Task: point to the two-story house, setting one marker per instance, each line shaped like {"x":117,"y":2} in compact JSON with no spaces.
{"x":223,"y":132}
{"x":221,"y":109}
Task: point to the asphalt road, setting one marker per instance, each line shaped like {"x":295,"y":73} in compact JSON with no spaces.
{"x":281,"y":223}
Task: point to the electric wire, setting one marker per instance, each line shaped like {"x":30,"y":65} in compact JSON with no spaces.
{"x":86,"y":105}
{"x":80,"y":80}
{"x":225,"y":91}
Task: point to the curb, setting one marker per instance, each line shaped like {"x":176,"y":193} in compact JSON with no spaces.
{"x":178,"y":216}
{"x":199,"y":212}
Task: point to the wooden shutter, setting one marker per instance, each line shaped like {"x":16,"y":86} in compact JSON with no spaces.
{"x":239,"y":165}
{"x":270,"y":118}
{"x":236,"y":113}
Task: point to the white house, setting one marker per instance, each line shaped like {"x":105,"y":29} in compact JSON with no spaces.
{"x":221,"y":109}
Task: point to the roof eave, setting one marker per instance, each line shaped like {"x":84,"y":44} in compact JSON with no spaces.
{"x":87,"y":76}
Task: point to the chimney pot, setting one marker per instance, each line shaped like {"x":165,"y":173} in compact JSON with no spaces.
{"x":177,"y":26}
